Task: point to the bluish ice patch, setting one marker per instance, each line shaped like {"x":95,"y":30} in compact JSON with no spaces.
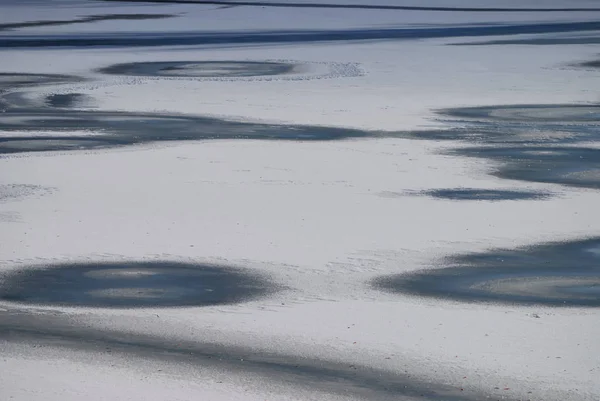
{"x":125,"y":128}
{"x":539,"y":114}
{"x":14,"y":80}
{"x":132,"y":285}
{"x":152,"y":39}
{"x":518,"y":124}
{"x":20,"y":144}
{"x":571,"y":166}
{"x":489,"y":195}
{"x":519,"y":137}
{"x":56,"y":114}
{"x":594,"y":250}
{"x":556,"y":274}
{"x":589,"y":64}
{"x":204,"y":69}
{"x":591,"y":290}
{"x":550,"y":40}
{"x":68,"y":100}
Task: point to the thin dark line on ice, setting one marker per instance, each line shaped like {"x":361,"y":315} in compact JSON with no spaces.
{"x":91,"y":18}
{"x":361,"y":6}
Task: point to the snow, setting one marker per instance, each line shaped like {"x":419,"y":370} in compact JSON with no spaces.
{"x":316,"y":217}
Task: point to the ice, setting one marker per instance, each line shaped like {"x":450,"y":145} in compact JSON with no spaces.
{"x":288,"y":144}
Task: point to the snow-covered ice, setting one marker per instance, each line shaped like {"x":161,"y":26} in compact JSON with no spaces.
{"x":227,"y":202}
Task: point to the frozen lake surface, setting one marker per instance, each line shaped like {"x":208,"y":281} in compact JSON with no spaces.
{"x":131,"y":284}
{"x":299,"y":200}
{"x":565,"y":274}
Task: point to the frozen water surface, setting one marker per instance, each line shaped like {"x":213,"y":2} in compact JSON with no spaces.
{"x":491,"y":195}
{"x":214,"y":69}
{"x":561,"y":274}
{"x":315,"y":148}
{"x":132,"y":284}
{"x":573,"y":166}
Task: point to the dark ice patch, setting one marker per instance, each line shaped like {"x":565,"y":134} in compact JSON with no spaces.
{"x":55,"y":114}
{"x":202,"y":69}
{"x":517,"y":124}
{"x":556,"y":274}
{"x":571,"y":166}
{"x":124,"y":128}
{"x":539,"y":41}
{"x":11,"y":145}
{"x":589,"y":64}
{"x":538,"y":113}
{"x":68,"y":100}
{"x":132,"y":285}
{"x":490,"y":195}
{"x":256,"y":37}
{"x":15,"y":80}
